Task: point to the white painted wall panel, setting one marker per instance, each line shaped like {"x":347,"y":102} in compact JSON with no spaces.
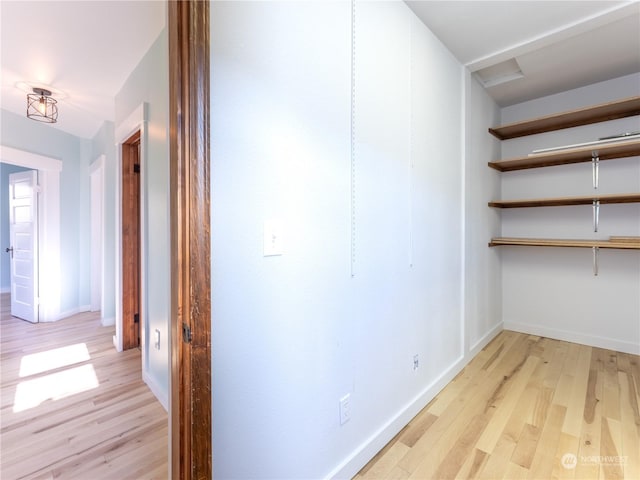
{"x":294,"y":333}
{"x":483,"y":273}
{"x":284,"y":331}
{"x":149,"y":83}
{"x":103,"y":143}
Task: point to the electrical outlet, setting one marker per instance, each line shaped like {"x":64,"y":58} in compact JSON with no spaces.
{"x":345,"y":409}
{"x":416,"y":361}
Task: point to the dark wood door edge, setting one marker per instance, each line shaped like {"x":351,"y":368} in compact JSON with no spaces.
{"x":188,"y":23}
{"x":131,"y":235}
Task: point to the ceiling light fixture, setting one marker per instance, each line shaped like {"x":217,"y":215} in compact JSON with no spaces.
{"x":41,"y":106}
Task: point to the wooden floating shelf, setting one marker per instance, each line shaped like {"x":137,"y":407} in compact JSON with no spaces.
{"x":573,"y":118}
{"x":625,"y":239}
{"x":621,"y":149}
{"x":562,"y":201}
{"x":627,"y":244}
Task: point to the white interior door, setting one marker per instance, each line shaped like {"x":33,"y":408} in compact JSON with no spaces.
{"x":23,"y":230}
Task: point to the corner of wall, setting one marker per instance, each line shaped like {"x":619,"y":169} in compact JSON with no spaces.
{"x":160,"y":393}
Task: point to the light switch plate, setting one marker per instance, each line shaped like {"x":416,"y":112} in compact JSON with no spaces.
{"x":273,"y":241}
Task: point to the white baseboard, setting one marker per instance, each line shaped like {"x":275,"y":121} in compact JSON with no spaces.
{"x":108,"y":322}
{"x":486,"y":338}
{"x":5,"y":290}
{"x":161,"y":395}
{"x":354,"y":462}
{"x":575,"y":337}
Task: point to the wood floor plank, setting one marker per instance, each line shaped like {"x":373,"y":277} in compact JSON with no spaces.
{"x":490,"y":436}
{"x":381,"y":454}
{"x":521,"y":413}
{"x":454,"y":460}
{"x":611,"y":449}
{"x":417,"y":428}
{"x":113,"y":428}
{"x":398,"y":473}
{"x":385,"y":464}
{"x":590,"y":436}
{"x":526,"y":446}
{"x":625,"y":364}
{"x":562,"y":393}
{"x":543,"y":460}
{"x":556,"y":364}
{"x":575,"y":409}
{"x":611,"y":389}
{"x":631,"y":365}
{"x":516,"y":472}
{"x":474,"y":463}
{"x":630,"y":426}
{"x":498,"y":462}
{"x":566,"y":457}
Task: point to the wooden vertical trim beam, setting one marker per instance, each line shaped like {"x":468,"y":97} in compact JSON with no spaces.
{"x":190,"y":240}
{"x":131,"y":235}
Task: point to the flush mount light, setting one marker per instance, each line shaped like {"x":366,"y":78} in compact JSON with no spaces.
{"x":41,"y":106}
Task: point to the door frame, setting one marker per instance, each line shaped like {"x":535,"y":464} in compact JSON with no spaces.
{"x":96,"y":191}
{"x":49,"y":280}
{"x":189,"y":131}
{"x":131,"y":231}
{"x":137,"y":120}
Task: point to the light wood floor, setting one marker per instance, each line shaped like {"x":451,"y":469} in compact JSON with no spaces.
{"x":80,"y":411}
{"x":525,"y":407}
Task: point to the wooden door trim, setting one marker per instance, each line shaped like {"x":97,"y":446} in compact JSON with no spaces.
{"x":188,"y":23}
{"x":131,"y":250}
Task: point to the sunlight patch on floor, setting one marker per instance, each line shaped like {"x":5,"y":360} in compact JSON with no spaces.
{"x":55,"y":358}
{"x":32,"y":393}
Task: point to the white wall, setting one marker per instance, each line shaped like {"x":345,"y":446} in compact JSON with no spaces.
{"x":552,"y":291}
{"x":149,"y":83}
{"x":103,"y":143}
{"x":294,"y":333}
{"x":483,"y":275}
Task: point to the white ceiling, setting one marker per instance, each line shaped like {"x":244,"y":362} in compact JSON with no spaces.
{"x":86,"y":49}
{"x":558,"y":45}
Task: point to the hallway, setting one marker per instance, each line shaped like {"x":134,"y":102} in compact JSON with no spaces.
{"x":72,"y":407}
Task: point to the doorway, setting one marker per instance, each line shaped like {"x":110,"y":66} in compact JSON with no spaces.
{"x":48,"y":226}
{"x":131,"y":240}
